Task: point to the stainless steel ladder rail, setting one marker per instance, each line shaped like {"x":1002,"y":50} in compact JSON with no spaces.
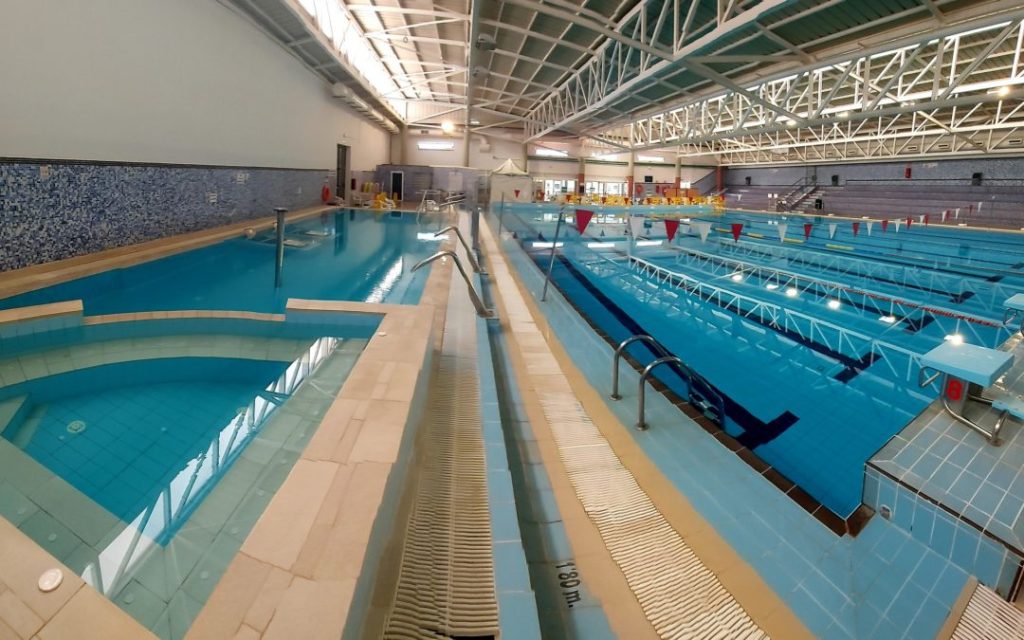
{"x":664,"y":356}
{"x":469,"y":252}
{"x":481,"y":310}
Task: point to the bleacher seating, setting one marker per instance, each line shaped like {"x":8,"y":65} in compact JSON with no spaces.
{"x":1002,"y":206}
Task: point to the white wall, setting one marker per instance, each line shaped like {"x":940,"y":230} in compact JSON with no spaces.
{"x":175,"y":81}
{"x":500,"y":150}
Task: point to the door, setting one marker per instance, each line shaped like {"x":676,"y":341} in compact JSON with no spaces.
{"x":397,"y":178}
{"x":342,"y":181}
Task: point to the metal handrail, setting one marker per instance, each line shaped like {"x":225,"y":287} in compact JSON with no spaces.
{"x":469,"y":252}
{"x":618,"y":355}
{"x":685,"y":372}
{"x":481,"y":310}
{"x":641,"y":423}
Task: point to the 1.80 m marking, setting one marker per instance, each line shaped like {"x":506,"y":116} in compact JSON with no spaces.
{"x":569,"y":581}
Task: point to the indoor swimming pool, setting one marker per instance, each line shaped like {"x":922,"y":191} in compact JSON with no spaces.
{"x":343,"y":255}
{"x":808,"y":345}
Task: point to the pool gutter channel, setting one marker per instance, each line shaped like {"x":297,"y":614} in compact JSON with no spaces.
{"x":566,"y":609}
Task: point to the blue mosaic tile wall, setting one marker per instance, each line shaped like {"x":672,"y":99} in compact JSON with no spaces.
{"x":992,"y":562}
{"x":55,"y":211}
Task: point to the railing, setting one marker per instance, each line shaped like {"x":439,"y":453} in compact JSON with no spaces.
{"x":469,"y":252}
{"x":983,"y":330}
{"x":664,"y":357}
{"x":481,"y":310}
{"x":919,"y":277}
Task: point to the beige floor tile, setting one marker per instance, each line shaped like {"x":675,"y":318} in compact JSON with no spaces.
{"x":87,"y":609}
{"x":234,"y":595}
{"x":17,"y":615}
{"x":262,"y":610}
{"x":311,"y":610}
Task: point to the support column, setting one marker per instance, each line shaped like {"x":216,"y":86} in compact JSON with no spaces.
{"x":526,"y":157}
{"x":630,"y":167}
{"x":403,"y":140}
{"x":679,"y":173}
{"x":471,"y":57}
{"x":581,"y":175}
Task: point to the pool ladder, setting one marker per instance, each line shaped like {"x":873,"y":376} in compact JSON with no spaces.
{"x":481,"y":309}
{"x":697,"y":397}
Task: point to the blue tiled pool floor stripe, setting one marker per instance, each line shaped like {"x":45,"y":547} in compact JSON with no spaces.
{"x":825,"y":580}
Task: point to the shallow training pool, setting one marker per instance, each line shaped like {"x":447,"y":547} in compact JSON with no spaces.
{"x":344,"y":255}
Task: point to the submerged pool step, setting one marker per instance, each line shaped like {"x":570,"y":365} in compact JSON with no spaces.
{"x":12,"y":412}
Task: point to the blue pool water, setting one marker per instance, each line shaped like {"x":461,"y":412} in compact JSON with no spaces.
{"x":345,"y":255}
{"x":813,"y":388}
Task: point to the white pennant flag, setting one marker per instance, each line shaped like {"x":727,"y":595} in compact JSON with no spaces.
{"x":898,"y":221}
{"x":979,"y":206}
{"x":832,"y":229}
{"x":703,"y":228}
{"x":945,"y":212}
{"x":870,"y":223}
{"x":956,"y":214}
{"x":636,"y":226}
{"x":920,"y":219}
{"x":782,"y":231}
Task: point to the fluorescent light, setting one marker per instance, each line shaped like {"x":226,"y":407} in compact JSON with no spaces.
{"x":842,"y":115}
{"x":435,"y":145}
{"x":551,"y":153}
{"x":834,"y":304}
{"x":648,"y":243}
{"x":888,"y":319}
{"x":650,"y":159}
{"x":474,"y":122}
{"x":448,"y":127}
{"x":601,"y":245}
{"x":430,"y":237}
{"x":771,"y":286}
{"x":545,"y":245}
{"x":954,"y":338}
{"x":792,"y":292}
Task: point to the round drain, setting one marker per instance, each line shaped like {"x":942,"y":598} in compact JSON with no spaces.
{"x":76,"y":426}
{"x":50,"y":580}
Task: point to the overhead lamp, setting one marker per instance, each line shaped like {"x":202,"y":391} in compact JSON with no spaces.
{"x":448,"y":127}
{"x":1003,"y":91}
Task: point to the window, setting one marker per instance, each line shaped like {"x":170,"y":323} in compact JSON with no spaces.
{"x":650,"y":159}
{"x":435,"y":145}
{"x":551,"y":153}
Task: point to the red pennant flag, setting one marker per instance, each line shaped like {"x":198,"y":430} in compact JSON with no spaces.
{"x":856,"y":228}
{"x":807,"y":230}
{"x":671,"y":226}
{"x":885,"y":225}
{"x":583,"y":219}
{"x":737,"y":227}
{"x":909,"y":221}
{"x":926,"y":219}
{"x":517,"y":192}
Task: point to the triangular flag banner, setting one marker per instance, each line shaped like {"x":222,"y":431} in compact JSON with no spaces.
{"x":583,"y":219}
{"x":885,"y":225}
{"x":832,"y":229}
{"x":737,"y":227}
{"x":897,"y":221}
{"x":979,"y":206}
{"x":671,"y":226}
{"x":956,"y":214}
{"x":945,"y":213}
{"x":856,"y":228}
{"x":782,"y":231}
{"x":807,"y":230}
{"x":870,"y":223}
{"x":516,"y":192}
{"x":703,"y":228}
{"x":636,"y":226}
{"x":909,"y":221}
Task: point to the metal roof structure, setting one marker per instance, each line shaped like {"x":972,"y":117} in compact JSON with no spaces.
{"x":754,"y":81}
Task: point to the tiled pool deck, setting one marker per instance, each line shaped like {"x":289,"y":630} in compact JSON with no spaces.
{"x":882,"y":584}
{"x":950,"y":488}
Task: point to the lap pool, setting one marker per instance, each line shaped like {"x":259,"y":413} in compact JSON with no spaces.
{"x":809,"y":345}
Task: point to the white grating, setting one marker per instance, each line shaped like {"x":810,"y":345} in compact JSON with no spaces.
{"x":446,"y":583}
{"x":989,"y":617}
{"x":680,"y":596}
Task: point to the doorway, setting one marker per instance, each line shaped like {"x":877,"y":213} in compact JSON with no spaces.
{"x":397,"y":177}
{"x":342,"y":180}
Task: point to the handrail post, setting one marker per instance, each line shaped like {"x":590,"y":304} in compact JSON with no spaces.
{"x":554,"y":246}
{"x":641,"y":422}
{"x":279,"y":255}
{"x":501,"y":214}
{"x":481,"y":310}
{"x":469,"y":252}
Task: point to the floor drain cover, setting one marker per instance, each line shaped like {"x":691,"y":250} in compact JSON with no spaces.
{"x":76,"y":426}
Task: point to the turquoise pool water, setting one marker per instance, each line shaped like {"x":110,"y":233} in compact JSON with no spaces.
{"x":344,"y":255}
{"x":811,"y":345}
